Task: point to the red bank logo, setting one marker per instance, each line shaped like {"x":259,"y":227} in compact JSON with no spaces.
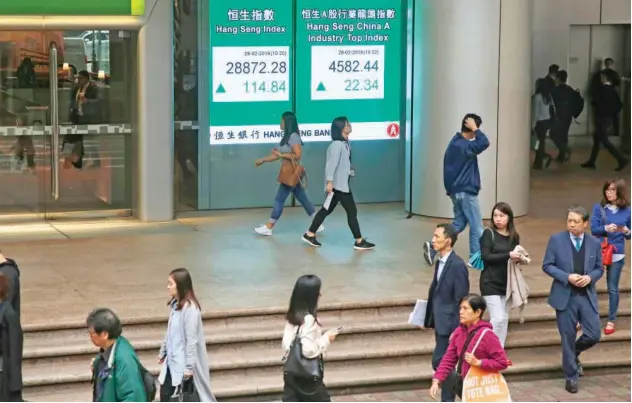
{"x":392,"y":130}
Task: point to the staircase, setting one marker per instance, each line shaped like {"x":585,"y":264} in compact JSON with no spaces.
{"x":377,"y":350}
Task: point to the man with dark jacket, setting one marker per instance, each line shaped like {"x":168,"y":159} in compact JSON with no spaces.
{"x":10,"y":270}
{"x":567,"y":103}
{"x":450,"y":284}
{"x":116,"y":375}
{"x":607,"y":104}
{"x":11,"y":348}
{"x":462,"y":181}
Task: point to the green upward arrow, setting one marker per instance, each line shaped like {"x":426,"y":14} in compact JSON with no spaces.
{"x":320,"y":87}
{"x":220,"y":89}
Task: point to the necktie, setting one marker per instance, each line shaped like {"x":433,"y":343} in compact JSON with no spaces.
{"x":437,"y":268}
{"x":578,"y":244}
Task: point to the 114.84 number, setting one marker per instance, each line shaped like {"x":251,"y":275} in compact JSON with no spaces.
{"x":353,"y":66}
{"x":256,"y":68}
{"x":254,"y":87}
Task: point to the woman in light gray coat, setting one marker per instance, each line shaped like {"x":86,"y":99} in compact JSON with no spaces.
{"x":338,"y":171}
{"x":183,"y":352}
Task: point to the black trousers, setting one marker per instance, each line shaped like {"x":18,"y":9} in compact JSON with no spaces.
{"x":559,"y":135}
{"x":600,"y":137}
{"x":441,"y":346}
{"x":346,"y":199}
{"x":541,"y":128}
{"x":304,"y":390}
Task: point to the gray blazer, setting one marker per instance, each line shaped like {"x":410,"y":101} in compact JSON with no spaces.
{"x":188,"y":351}
{"x":338,"y":165}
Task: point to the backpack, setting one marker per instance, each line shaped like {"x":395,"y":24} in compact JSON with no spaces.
{"x":577,"y":104}
{"x":149,"y":383}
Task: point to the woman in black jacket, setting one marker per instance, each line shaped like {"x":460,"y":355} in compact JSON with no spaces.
{"x":497,"y":245}
{"x":11,"y":341}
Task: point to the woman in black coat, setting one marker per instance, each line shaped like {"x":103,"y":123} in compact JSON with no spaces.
{"x":11,"y":342}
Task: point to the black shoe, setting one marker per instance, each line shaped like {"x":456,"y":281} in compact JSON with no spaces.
{"x":590,"y":165}
{"x":580,"y":367}
{"x":622,"y":165}
{"x":363,"y":245}
{"x":572,"y":386}
{"x":311,"y":240}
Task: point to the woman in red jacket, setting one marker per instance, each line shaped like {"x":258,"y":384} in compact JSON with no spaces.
{"x":474,"y":333}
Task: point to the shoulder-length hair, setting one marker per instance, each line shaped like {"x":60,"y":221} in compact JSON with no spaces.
{"x":622,"y":198}
{"x":184,"y":287}
{"x":511,"y":228}
{"x":337,"y":125}
{"x":304,"y":299}
{"x":290,"y":126}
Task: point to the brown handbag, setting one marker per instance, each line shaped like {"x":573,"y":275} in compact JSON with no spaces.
{"x":292,"y":173}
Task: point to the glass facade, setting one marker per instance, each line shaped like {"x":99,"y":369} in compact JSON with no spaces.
{"x":66,"y":113}
{"x":185,"y":92}
{"x":320,"y":59}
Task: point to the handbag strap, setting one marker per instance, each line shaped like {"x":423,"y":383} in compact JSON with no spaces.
{"x":470,"y":336}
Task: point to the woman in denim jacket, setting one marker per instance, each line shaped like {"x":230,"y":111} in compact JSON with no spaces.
{"x":183,"y":352}
{"x":611,"y":219}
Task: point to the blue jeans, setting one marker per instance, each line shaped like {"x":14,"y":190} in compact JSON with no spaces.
{"x":282,"y":193}
{"x":613,"y":275}
{"x":468,"y":211}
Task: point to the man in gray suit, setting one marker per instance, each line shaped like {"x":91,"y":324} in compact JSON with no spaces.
{"x":573,"y":259}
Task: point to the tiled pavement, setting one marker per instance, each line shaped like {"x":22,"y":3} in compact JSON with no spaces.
{"x":603,"y":388}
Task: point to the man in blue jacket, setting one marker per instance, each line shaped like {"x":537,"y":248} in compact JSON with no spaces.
{"x":573,"y":260}
{"x":462,"y":181}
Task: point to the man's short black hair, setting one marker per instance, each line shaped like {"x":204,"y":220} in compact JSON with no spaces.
{"x":562,"y":75}
{"x":609,"y":59}
{"x":477,"y":120}
{"x":84,"y":73}
{"x":450,"y":232}
{"x":580,"y":210}
{"x":554,"y":68}
{"x":105,"y":320}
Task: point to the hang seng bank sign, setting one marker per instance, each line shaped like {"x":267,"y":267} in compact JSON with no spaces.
{"x":327,"y":60}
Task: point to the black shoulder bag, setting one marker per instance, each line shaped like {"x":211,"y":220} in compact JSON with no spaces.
{"x":300,"y":368}
{"x":454,"y":380}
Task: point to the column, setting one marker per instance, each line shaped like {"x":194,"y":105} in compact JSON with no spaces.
{"x":470,"y":57}
{"x":154,"y":153}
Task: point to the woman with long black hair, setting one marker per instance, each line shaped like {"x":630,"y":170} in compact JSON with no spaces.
{"x":185,"y":367}
{"x":497,"y":247}
{"x":338,"y":170}
{"x":302,"y":322}
{"x":290,"y":148}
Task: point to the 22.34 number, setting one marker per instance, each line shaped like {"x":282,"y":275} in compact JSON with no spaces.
{"x":361,"y":85}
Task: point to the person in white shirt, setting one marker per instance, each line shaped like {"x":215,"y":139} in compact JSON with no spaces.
{"x":302,"y":319}
{"x":541,"y":119}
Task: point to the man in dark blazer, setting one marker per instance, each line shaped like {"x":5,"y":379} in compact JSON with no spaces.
{"x":450,"y":284}
{"x":573,"y":259}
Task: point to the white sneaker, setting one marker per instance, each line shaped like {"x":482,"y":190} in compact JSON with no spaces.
{"x":263,"y":230}
{"x":320,"y":229}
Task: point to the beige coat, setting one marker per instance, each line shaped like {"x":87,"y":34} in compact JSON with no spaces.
{"x":517,"y":288}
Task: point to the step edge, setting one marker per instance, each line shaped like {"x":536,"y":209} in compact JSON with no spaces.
{"x":337,"y":357}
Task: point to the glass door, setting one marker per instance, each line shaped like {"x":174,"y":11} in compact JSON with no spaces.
{"x":65,"y":123}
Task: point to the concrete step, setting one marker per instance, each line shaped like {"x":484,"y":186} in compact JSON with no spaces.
{"x":345,"y":376}
{"x":41,"y":343}
{"x":259,"y":355}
